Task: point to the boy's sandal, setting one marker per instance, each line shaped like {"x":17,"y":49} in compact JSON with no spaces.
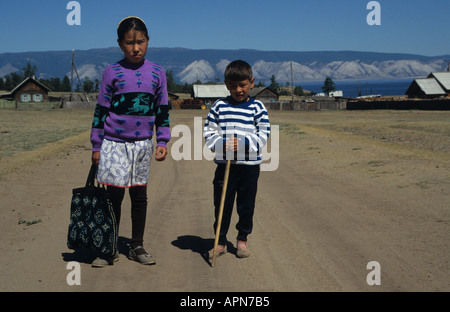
{"x":220,"y":251}
{"x":140,"y":255}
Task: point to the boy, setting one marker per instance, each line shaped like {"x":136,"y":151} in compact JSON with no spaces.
{"x":236,"y":129}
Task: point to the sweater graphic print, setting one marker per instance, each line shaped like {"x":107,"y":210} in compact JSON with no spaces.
{"x":132,"y":101}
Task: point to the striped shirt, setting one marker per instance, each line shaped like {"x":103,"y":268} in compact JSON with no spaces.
{"x":249,"y":122}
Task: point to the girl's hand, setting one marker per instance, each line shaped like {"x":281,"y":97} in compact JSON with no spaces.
{"x":95,"y":158}
{"x":161,"y":153}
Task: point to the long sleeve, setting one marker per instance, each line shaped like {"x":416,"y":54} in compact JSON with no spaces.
{"x":212,"y":131}
{"x":101,"y":111}
{"x":162,"y":122}
{"x":248,"y":122}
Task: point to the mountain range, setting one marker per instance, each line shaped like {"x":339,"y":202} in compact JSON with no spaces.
{"x":189,"y":65}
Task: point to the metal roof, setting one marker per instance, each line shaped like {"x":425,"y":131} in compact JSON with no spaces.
{"x":210,"y":91}
{"x":443,"y":78}
{"x":430,"y":86}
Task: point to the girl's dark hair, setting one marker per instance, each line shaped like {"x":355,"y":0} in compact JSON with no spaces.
{"x":129,"y":23}
{"x":238,"y":70}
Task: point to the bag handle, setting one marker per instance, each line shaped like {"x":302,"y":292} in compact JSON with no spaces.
{"x":91,"y":177}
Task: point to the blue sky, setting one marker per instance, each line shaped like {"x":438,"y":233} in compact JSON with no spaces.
{"x":413,"y":26}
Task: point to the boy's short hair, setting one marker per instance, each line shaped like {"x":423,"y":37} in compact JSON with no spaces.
{"x":238,"y":70}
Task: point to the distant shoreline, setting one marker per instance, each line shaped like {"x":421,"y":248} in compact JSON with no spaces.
{"x":383,"y":87}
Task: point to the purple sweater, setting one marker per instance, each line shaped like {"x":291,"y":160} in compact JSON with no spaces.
{"x":132,"y":101}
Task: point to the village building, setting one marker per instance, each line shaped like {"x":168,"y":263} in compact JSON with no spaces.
{"x":436,"y":85}
{"x":29,"y":90}
{"x":208,"y":94}
{"x":443,"y":78}
{"x":264,"y":94}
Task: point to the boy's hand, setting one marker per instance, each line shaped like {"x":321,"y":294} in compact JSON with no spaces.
{"x":231,"y":145}
{"x":95,"y":158}
{"x":161,"y":153}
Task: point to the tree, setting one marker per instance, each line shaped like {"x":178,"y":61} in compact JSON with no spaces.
{"x":66,"y":85}
{"x":88,"y":85}
{"x":29,"y":71}
{"x":12,"y":80}
{"x":328,"y":86}
{"x":171,"y":84}
{"x":299,"y":91}
{"x":274,"y":85}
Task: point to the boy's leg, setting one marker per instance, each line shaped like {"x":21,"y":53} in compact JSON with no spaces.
{"x":245,"y":201}
{"x":229,"y":200}
{"x":138,"y":195}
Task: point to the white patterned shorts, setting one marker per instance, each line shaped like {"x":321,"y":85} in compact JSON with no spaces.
{"x":124,"y":164}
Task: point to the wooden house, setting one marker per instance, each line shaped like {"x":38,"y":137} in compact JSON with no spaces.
{"x":436,"y":85}
{"x":263,"y":94}
{"x":28,"y":91}
{"x":209,"y":93}
{"x":425,"y":88}
{"x":443,"y":78}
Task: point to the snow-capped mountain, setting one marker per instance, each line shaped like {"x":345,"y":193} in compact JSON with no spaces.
{"x":188,"y":66}
{"x":197,"y":70}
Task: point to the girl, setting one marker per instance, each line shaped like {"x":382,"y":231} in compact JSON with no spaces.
{"x":132,"y":101}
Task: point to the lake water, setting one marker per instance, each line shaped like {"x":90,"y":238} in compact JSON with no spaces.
{"x":384,"y":87}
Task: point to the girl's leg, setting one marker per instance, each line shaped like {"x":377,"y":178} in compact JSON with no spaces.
{"x":116,"y":196}
{"x":138,"y":195}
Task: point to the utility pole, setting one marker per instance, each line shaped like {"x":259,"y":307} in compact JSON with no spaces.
{"x":79,"y":80}
{"x":71,"y":76}
{"x":292,"y":84}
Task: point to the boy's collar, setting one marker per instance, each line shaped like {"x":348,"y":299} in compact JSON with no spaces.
{"x":234,"y":102}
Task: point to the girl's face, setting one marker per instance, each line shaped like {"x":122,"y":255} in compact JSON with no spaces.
{"x":134,"y":45}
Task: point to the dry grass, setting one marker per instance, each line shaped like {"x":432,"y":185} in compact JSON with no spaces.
{"x":27,"y":129}
{"x":421,"y":130}
{"x":55,"y":149}
{"x":28,"y":136}
{"x":33,"y":135}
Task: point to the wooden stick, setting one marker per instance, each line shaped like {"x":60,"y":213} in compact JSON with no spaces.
{"x":219,"y":219}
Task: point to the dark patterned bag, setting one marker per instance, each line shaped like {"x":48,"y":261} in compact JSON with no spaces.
{"x":92,"y":220}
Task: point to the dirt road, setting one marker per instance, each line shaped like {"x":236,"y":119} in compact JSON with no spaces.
{"x":335,"y":203}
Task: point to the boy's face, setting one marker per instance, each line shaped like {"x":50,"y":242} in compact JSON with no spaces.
{"x":240,"y":90}
{"x":134,"y":45}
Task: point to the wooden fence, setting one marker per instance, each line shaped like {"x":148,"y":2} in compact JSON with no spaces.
{"x":400,"y":105}
{"x":314,"y":105}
